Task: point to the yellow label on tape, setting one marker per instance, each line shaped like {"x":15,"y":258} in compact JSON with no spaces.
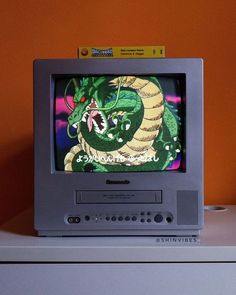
{"x":122,"y":52}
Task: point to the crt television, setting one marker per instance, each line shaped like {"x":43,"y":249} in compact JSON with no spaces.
{"x":118,"y":147}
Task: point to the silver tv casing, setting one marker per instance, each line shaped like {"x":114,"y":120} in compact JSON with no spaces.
{"x":95,"y":196}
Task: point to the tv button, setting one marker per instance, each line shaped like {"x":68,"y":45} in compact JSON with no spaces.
{"x":77,"y":220}
{"x":158,"y":218}
{"x":70,"y":220}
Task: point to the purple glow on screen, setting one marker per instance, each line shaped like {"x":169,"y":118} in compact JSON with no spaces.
{"x":60,"y":109}
{"x":61,"y":106}
{"x":175,"y":165}
{"x":173,"y":99}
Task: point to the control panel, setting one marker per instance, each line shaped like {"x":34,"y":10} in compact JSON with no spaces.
{"x":119,"y":218}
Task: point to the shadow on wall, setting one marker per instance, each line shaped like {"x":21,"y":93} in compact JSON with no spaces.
{"x":16,"y":177}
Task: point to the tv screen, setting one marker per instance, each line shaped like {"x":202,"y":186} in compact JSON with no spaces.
{"x":119,"y":123}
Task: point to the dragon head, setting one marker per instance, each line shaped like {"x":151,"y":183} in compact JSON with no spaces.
{"x":105,"y":115}
{"x":87,"y":108}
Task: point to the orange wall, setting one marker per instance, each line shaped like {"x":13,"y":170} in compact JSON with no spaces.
{"x":54,"y":29}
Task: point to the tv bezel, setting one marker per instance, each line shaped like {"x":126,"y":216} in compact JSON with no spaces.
{"x":51,"y":184}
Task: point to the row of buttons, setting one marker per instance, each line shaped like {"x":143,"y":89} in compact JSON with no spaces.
{"x":158,"y":218}
{"x":121,"y":218}
{"x":127,"y":218}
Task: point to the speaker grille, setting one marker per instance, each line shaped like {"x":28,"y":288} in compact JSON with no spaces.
{"x":187,"y":207}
